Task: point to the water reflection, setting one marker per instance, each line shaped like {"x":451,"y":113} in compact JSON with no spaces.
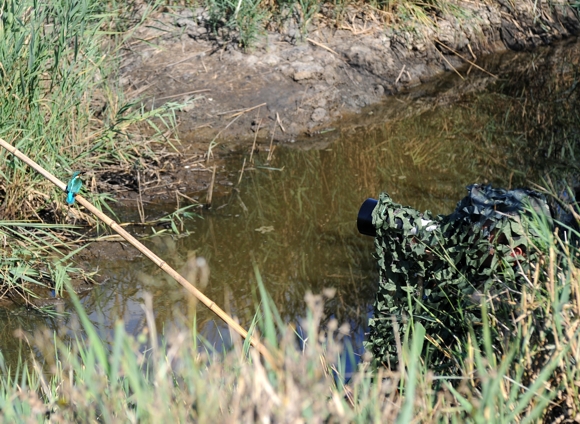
{"x":294,"y":217}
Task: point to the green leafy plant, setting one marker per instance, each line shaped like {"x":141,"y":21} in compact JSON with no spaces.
{"x":308,"y":9}
{"x":156,"y":376}
{"x":58,"y":61}
{"x":244,"y":19}
{"x":32,"y":261}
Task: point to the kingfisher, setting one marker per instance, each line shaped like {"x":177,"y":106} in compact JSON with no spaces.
{"x":73,"y":187}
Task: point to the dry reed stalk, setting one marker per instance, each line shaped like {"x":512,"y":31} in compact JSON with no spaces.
{"x":186,"y":197}
{"x":280,"y":123}
{"x":212,"y":143}
{"x":467,"y":60}
{"x":400,"y":74}
{"x":210,"y":191}
{"x":184,"y":94}
{"x":316,"y":43}
{"x":187,"y":58}
{"x":142,"y":40}
{"x":450,"y":65}
{"x":255,"y":136}
{"x":270,"y":151}
{"x":241,"y":111}
{"x":140,"y":207}
{"x":149,"y":254}
{"x":242,"y":171}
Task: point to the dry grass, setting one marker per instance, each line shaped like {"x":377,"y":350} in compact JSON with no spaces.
{"x":178,"y":376}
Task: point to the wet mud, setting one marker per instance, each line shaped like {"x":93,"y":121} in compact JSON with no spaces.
{"x":290,"y":85}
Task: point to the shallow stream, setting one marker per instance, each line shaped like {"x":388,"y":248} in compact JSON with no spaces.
{"x":293,"y":219}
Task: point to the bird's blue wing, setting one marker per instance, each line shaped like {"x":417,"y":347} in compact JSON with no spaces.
{"x":70,"y":197}
{"x":73,"y":187}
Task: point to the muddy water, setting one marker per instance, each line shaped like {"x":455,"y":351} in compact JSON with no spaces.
{"x":292,"y":219}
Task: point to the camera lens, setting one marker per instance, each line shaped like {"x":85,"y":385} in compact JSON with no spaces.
{"x":364,"y":221}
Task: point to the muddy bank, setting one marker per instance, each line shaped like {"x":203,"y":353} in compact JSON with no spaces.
{"x":293,"y":85}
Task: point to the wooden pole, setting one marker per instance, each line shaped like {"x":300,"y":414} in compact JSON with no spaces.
{"x":158,"y":261}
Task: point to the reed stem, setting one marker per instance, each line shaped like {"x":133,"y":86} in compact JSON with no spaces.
{"x":148,"y":253}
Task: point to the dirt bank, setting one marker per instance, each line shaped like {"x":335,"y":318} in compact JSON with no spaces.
{"x":294,"y":84}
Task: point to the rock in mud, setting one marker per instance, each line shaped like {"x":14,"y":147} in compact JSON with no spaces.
{"x":304,"y":71}
{"x":271,"y":59}
{"x":185,"y":22}
{"x":319,"y":114}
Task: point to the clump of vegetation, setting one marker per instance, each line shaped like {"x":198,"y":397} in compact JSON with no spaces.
{"x":32,"y":264}
{"x":244,"y":18}
{"x":61,"y":106}
{"x":244,"y":21}
{"x":61,"y":103}
{"x":148,"y":378}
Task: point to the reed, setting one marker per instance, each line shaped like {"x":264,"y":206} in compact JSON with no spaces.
{"x":154,"y":376}
{"x":62,"y":102}
{"x":33,"y":264}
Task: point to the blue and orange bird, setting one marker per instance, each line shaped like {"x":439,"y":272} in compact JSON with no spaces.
{"x":73,"y":187}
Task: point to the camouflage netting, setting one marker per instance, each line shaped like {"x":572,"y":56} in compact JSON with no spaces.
{"x":438,"y":270}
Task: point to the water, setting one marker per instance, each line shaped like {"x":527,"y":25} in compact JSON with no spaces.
{"x":293,"y":219}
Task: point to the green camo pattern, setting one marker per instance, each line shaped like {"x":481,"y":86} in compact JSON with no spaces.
{"x":438,"y":270}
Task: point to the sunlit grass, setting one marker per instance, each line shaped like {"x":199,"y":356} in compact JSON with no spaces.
{"x":32,"y":262}
{"x":152,"y":376}
{"x":61,"y":102}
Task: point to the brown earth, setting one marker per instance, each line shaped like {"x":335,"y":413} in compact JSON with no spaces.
{"x":288,"y":86}
{"x":292,"y":85}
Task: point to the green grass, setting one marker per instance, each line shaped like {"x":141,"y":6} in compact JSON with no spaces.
{"x":33,"y":263}
{"x":57,"y":58}
{"x":245,"y":18}
{"x":61,"y":103}
{"x":62,"y":106}
{"x":152,"y":376}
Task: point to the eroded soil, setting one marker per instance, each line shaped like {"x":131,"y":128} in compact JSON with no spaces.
{"x":290,"y":85}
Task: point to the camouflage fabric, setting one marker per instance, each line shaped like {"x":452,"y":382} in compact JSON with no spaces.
{"x":438,"y":270}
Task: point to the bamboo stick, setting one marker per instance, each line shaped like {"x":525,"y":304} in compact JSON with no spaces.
{"x":152,"y":256}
